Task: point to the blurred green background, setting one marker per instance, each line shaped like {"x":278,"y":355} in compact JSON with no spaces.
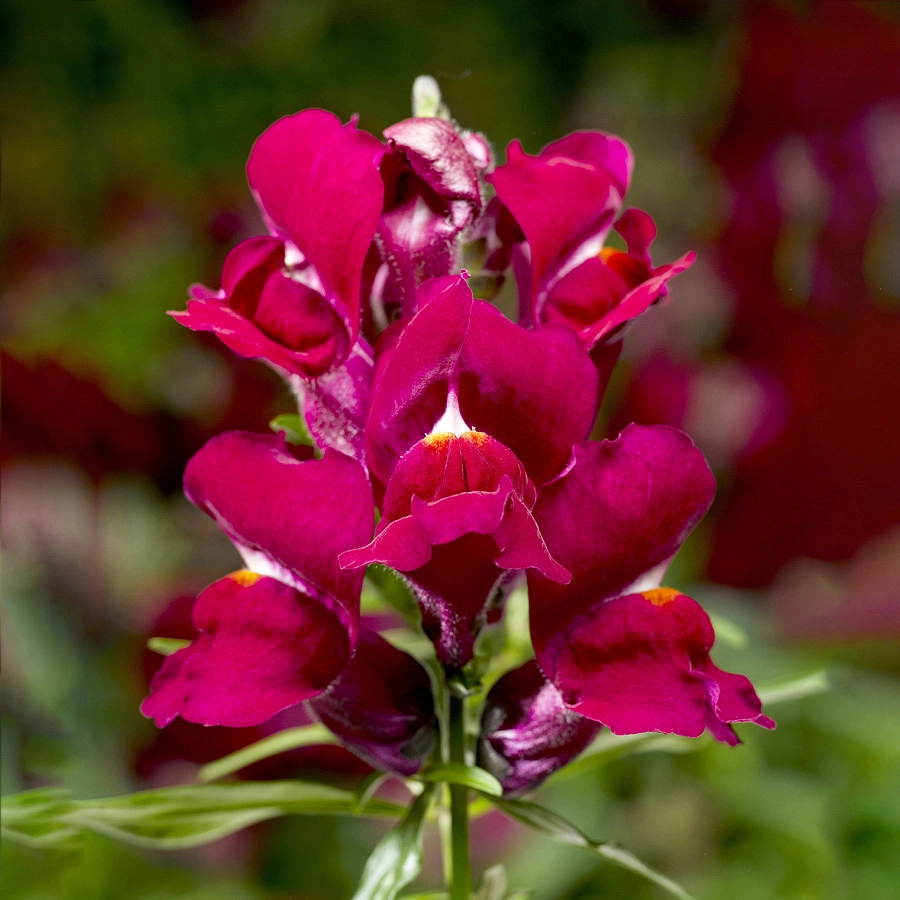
{"x":126,"y":126}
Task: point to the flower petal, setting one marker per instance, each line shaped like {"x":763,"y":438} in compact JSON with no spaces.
{"x":510,"y":383}
{"x":619,"y":513}
{"x":431,"y":195}
{"x":261,"y":312}
{"x":570,"y":193}
{"x":270,"y":504}
{"x":263,"y":646}
{"x":454,"y":552}
{"x":317,"y":184}
{"x":336,"y":404}
{"x":527,"y":731}
{"x":638,"y":300}
{"x":640,"y":663}
{"x":381,"y":706}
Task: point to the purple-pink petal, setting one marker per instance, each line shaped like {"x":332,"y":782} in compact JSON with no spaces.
{"x":336,"y":404}
{"x":637,"y":300}
{"x":527,"y":731}
{"x":438,"y":155}
{"x":511,"y":383}
{"x":640,"y":663}
{"x":381,"y":706}
{"x":619,"y":513}
{"x":263,"y":646}
{"x":567,"y":195}
{"x":456,"y":515}
{"x":317,"y":184}
{"x":639,"y":231}
{"x":262,"y":312}
{"x":287,"y":517}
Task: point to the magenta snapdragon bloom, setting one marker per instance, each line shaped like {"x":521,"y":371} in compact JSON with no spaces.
{"x":293,"y":298}
{"x":432,"y":179}
{"x":286,"y":629}
{"x":469,"y":434}
{"x":566,"y":200}
{"x":621,"y":649}
{"x":470,"y":415}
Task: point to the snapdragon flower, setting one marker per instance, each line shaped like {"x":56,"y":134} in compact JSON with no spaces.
{"x":470,"y":435}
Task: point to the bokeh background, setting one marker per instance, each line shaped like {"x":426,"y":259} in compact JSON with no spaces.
{"x":767,"y":138}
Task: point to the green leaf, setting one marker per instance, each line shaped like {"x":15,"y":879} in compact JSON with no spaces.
{"x":366,"y":789}
{"x":428,"y":895}
{"x":550,"y":824}
{"x":493,"y":884}
{"x":169,"y":818}
{"x":289,"y":739}
{"x":33,"y":818}
{"x":608,"y":747}
{"x":469,"y":776}
{"x":169,"y":831}
{"x":167,"y":646}
{"x":294,"y":429}
{"x":795,"y":688}
{"x":397,"y":859}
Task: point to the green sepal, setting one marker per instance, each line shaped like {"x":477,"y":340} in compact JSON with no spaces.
{"x":397,"y":859}
{"x":554,"y":826}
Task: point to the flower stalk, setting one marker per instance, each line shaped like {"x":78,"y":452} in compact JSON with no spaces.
{"x":459,"y":869}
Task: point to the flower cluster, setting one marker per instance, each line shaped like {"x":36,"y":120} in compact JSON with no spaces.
{"x":467,"y":432}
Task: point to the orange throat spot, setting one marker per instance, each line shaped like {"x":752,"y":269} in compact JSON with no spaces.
{"x":661,"y":596}
{"x":244,"y":577}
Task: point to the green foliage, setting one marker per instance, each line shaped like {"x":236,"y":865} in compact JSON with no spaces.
{"x":172,"y":818}
{"x":397,"y":859}
{"x":468,"y":776}
{"x":289,"y":739}
{"x":554,"y":826}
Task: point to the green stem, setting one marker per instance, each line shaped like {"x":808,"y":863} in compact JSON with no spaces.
{"x":460,"y":875}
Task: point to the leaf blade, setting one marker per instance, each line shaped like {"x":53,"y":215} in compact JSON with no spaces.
{"x":548,"y":823}
{"x":468,"y":776}
{"x":289,"y":739}
{"x":397,"y":858}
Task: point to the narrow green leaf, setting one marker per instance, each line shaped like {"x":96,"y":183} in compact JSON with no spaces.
{"x":171,"y":831}
{"x":166,"y":646}
{"x":469,"y":776}
{"x":41,"y":835}
{"x":397,"y":859}
{"x":554,"y":826}
{"x":294,"y":429}
{"x":33,"y":818}
{"x":27,"y":804}
{"x":493,"y":884}
{"x":289,"y":739}
{"x":366,"y":789}
{"x":177,"y":817}
{"x":795,"y":688}
{"x":607,"y":747}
